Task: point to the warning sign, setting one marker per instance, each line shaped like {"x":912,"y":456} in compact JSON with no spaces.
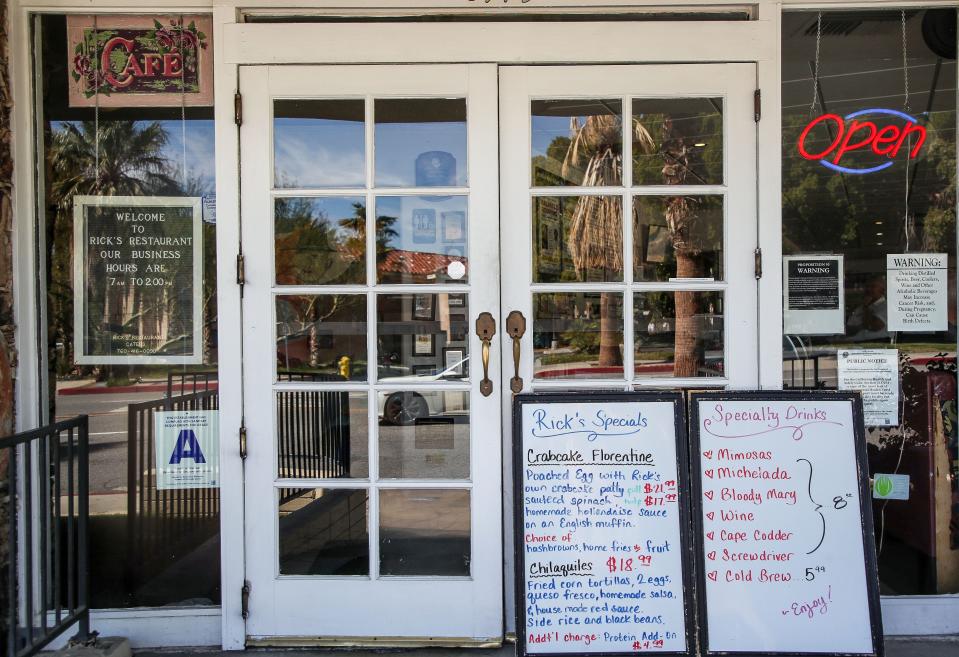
{"x":813,"y":296}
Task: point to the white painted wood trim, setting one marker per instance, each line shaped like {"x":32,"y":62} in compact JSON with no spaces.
{"x":505,"y":43}
{"x":111,"y":6}
{"x":229,"y":321}
{"x":361,"y":7}
{"x":478,"y":6}
{"x":153,"y":627}
{"x":798,"y":5}
{"x":518,"y":6}
{"x":769,"y":200}
{"x":24,"y":238}
{"x":920,"y":615}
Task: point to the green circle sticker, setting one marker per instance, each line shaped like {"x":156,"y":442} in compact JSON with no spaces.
{"x":882,"y":486}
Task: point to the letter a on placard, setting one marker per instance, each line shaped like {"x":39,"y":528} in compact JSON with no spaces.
{"x":187,"y":447}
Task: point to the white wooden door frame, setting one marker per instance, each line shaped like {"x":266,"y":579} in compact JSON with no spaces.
{"x":238,"y":44}
{"x":731,"y":82}
{"x":646,"y":43}
{"x":460,"y":610}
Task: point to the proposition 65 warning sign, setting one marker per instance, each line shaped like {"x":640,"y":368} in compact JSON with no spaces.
{"x":187,"y":449}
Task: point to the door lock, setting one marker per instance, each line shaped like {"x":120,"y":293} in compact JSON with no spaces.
{"x":516,"y":328}
{"x":485,"y":330}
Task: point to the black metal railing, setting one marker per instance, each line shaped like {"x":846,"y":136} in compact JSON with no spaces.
{"x":803,"y":372}
{"x":163,"y":522}
{"x":313,"y":434}
{"x":46,"y":499}
{"x":186,"y":383}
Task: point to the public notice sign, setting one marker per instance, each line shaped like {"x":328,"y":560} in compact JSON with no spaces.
{"x":138,"y":267}
{"x":140,"y":61}
{"x":917,"y":287}
{"x":187,"y":449}
{"x":875,"y":374}
{"x":783,"y":524}
{"x":813,"y":295}
{"x":601,"y":520}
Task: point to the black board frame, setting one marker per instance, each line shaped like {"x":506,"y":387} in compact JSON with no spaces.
{"x":687,"y":554}
{"x":865,"y":511}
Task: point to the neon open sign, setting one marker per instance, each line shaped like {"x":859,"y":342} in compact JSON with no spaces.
{"x":850,"y":135}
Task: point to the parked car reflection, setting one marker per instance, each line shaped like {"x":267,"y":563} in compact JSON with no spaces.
{"x":407,"y":407}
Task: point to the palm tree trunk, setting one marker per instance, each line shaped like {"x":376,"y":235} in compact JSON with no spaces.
{"x":687,"y":360}
{"x":610,"y":332}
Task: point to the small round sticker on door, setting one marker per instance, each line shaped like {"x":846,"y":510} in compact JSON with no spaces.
{"x":456,"y":270}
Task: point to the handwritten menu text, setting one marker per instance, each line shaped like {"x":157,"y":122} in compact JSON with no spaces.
{"x":602,"y":567}
{"x":783,"y":546}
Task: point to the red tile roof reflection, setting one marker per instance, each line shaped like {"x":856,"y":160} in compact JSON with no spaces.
{"x":415,"y":262}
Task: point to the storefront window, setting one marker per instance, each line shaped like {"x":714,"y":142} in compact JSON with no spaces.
{"x":869,"y":239}
{"x":127,"y":237}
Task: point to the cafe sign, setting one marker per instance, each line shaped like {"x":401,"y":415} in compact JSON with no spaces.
{"x":144,"y":61}
{"x":860,"y":142}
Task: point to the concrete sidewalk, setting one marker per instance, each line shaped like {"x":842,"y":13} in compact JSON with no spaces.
{"x":945,"y":646}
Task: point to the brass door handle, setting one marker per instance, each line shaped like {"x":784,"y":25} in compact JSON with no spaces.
{"x":516,"y":328}
{"x":486,"y":329}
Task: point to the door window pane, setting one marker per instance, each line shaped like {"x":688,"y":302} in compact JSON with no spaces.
{"x":578,"y":335}
{"x":419,"y":336}
{"x":321,"y":337}
{"x":678,"y":334}
{"x":420,"y":142}
{"x":320,"y":240}
{"x":677,"y":141}
{"x":577,"y":238}
{"x":321,"y":434}
{"x":425,"y":532}
{"x":424,"y":434}
{"x":319,"y":143}
{"x":421,"y":239}
{"x":577,"y":142}
{"x":323,"y":531}
{"x":677,"y":237}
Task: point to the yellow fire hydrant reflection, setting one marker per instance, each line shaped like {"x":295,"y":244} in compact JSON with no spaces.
{"x":344,"y":364}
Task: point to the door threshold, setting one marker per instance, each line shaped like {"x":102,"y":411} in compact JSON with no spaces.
{"x":370,"y":642}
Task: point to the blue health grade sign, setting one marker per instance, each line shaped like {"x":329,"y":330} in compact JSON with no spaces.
{"x":187,"y":449}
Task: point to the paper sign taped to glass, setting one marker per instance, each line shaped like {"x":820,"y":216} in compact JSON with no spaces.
{"x":813,"y":295}
{"x":874,"y":373}
{"x":918,"y":285}
{"x":137,"y":280}
{"x":187,"y":449}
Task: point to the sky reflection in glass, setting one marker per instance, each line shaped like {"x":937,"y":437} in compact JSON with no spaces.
{"x":319,"y":143}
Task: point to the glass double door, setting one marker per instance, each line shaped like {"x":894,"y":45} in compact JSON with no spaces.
{"x":392,"y":218}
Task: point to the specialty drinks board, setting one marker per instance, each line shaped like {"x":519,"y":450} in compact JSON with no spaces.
{"x":784,"y":524}
{"x":603,"y":560}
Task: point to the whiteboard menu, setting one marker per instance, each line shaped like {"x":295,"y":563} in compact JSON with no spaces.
{"x":601,"y":523}
{"x":784,"y":526}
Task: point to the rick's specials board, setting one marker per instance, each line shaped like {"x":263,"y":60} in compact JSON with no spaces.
{"x":602,"y":549}
{"x":783,"y":524}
